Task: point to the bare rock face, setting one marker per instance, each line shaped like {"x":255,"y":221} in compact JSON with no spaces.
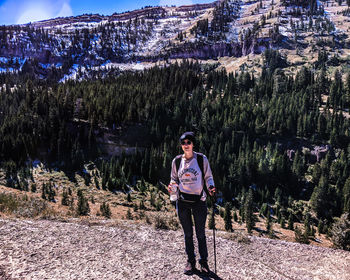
{"x":44,"y":249}
{"x":320,"y":152}
{"x":206,"y":51}
{"x":197,"y":7}
{"x":290,"y":154}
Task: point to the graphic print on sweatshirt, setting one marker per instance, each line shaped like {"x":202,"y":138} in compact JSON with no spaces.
{"x":190,"y":178}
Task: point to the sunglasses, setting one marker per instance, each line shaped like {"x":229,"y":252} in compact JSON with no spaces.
{"x":186,"y":142}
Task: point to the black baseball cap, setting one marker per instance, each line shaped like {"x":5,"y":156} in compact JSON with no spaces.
{"x":189,"y":135}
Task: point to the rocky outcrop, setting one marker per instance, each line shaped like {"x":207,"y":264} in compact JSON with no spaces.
{"x":68,"y":20}
{"x":205,"y":51}
{"x":312,"y":154}
{"x":149,"y":12}
{"x":319,"y":153}
{"x":152,"y":12}
{"x":197,"y":7}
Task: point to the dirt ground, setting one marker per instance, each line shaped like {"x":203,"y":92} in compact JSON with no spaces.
{"x":44,"y":249}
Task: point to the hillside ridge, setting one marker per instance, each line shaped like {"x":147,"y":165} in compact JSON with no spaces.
{"x":231,"y":34}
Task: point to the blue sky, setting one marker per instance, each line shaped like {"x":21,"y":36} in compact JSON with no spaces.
{"x":24,"y":11}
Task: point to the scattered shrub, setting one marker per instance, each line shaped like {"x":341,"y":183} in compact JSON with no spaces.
{"x":129,"y":215}
{"x":341,"y":232}
{"x":160,"y":222}
{"x":173,"y":223}
{"x":301,"y":237}
{"x":148,"y":219}
{"x":25,"y":207}
{"x":159,"y":205}
{"x":238,"y":237}
{"x":105,"y":210}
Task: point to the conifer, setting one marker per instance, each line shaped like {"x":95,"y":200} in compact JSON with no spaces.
{"x":129,"y":215}
{"x":228,"y":217}
{"x":65,"y":198}
{"x":105,"y":210}
{"x":290,"y":222}
{"x":83,"y":207}
{"x":248,"y":211}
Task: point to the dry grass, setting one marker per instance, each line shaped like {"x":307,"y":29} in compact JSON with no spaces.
{"x":339,"y":20}
{"x":237,"y":236}
{"x":24,"y":206}
{"x":34,"y":206}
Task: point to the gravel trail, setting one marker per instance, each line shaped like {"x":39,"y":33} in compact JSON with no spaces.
{"x":42,"y":249}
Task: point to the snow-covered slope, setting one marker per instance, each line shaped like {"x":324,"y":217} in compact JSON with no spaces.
{"x":226,"y":28}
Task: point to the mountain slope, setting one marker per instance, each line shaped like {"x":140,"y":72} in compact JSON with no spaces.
{"x":228,"y":30}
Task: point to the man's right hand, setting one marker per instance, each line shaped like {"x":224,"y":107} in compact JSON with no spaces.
{"x":171,"y":187}
{"x":212,"y":190}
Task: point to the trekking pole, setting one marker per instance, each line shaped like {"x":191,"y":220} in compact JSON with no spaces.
{"x":214,"y":236}
{"x":213,"y":217}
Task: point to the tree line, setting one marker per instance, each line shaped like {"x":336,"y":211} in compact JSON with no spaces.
{"x":258,"y":132}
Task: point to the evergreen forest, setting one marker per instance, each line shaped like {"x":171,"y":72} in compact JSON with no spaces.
{"x":259,"y":132}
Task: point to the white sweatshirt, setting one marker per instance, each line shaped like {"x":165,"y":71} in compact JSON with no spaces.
{"x":189,"y":176}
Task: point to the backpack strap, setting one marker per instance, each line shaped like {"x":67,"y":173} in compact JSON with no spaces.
{"x":177,"y":164}
{"x":201,"y":167}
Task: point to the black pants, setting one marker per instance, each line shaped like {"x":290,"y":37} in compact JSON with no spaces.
{"x":199,"y":211}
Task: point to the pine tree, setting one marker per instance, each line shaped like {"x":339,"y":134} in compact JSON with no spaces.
{"x":320,"y":227}
{"x":142,"y":205}
{"x":71,"y":204}
{"x":152,"y":199}
{"x":269,"y":228}
{"x":159,"y":205}
{"x":307,"y":227}
{"x":290,"y":222}
{"x":228,"y":217}
{"x":43,"y":191}
{"x":33,"y":188}
{"x":96,"y":183}
{"x":312,"y":231}
{"x":235,"y":217}
{"x":248,"y":211}
{"x":105,"y":210}
{"x":346,"y":195}
{"x":319,"y":197}
{"x":83,"y":207}
{"x":129,"y":215}
{"x":50,"y":192}
{"x":283,"y":222}
{"x":65,"y":198}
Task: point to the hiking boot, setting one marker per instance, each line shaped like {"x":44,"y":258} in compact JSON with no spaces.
{"x":205,"y":268}
{"x":190,"y":268}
